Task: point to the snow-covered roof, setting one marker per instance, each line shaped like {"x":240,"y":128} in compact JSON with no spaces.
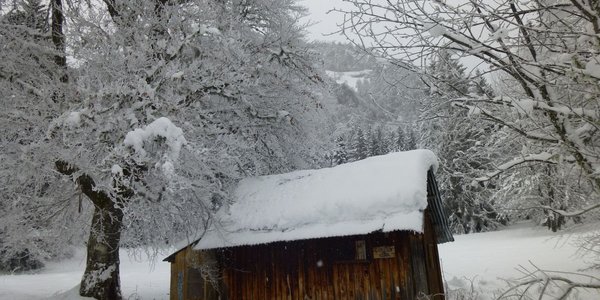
{"x":387,"y":193}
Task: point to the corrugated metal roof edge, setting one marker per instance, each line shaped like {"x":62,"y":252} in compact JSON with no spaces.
{"x":435,"y":204}
{"x":171,"y":258}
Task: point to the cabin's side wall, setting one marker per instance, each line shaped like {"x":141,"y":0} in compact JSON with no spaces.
{"x":434,"y":270}
{"x":194,"y":276}
{"x":394,"y":267}
{"x":178,"y":270}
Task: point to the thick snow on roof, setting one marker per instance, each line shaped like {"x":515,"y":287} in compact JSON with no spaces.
{"x":387,"y":192}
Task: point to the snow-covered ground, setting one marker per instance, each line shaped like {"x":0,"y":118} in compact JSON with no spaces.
{"x":488,"y":259}
{"x":139,"y":279}
{"x":350,"y":78}
{"x":484,"y":258}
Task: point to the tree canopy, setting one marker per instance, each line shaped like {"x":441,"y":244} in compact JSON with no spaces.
{"x":151,"y":110}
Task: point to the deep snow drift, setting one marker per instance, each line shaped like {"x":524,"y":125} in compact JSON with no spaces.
{"x":485,"y":258}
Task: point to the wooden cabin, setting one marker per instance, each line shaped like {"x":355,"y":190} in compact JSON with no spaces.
{"x":363,"y":230}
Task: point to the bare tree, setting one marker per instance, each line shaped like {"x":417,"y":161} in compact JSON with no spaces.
{"x":546,"y":50}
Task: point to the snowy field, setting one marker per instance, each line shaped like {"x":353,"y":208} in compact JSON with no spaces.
{"x":139,"y":280}
{"x":485,"y":259}
{"x":488,"y":259}
{"x":350,"y":78}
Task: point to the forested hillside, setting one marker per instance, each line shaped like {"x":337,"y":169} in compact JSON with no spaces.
{"x":388,"y":109}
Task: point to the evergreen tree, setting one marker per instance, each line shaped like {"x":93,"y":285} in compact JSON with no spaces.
{"x":340,"y":154}
{"x":455,"y":136}
{"x":379,"y":146}
{"x":400,"y":142}
{"x":480,"y":86}
{"x":386,"y":140}
{"x":373,"y":142}
{"x":29,"y":13}
{"x":411,"y":141}
{"x":35,"y":15}
{"x":448,"y":74}
{"x":359,"y":147}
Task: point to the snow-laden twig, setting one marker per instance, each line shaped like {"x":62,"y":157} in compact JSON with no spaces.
{"x":591,"y":115}
{"x":543,"y":157}
{"x":564,"y":213}
{"x":539,"y":283}
{"x":515,"y":127}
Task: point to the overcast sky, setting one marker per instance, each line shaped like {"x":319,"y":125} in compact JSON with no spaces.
{"x":325,"y":23}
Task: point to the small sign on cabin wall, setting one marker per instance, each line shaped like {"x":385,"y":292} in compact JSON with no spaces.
{"x":384,"y":252}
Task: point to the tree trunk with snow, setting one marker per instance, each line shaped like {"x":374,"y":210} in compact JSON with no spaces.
{"x":101,"y":277}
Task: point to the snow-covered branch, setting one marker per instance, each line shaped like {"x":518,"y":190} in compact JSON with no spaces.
{"x":591,"y":115}
{"x":543,"y":157}
{"x":568,"y":214}
{"x":475,"y":110}
{"x":538,"y":283}
{"x":544,"y":54}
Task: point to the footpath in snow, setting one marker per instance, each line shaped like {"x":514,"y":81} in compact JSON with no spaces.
{"x":485,"y":259}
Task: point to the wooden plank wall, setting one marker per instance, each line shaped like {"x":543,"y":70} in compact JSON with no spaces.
{"x":326,"y":269}
{"x":317,"y":269}
{"x":177,"y":275}
{"x":187,"y":281}
{"x":434,"y":273}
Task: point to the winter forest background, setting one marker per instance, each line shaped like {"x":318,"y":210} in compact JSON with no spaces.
{"x":126,"y":123}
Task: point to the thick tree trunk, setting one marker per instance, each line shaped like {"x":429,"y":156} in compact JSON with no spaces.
{"x":60,"y":57}
{"x":101,"y":277}
{"x":58,"y":37}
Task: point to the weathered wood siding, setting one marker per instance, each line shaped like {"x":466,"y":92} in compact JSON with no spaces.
{"x":434,"y":269}
{"x":187,"y":280}
{"x":405,"y":267}
{"x":317,"y":269}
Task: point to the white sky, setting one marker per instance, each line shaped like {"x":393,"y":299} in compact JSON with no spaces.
{"x":325,"y":23}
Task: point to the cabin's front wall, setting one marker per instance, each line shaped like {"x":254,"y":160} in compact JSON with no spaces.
{"x":395,"y":265}
{"x":393,"y":268}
